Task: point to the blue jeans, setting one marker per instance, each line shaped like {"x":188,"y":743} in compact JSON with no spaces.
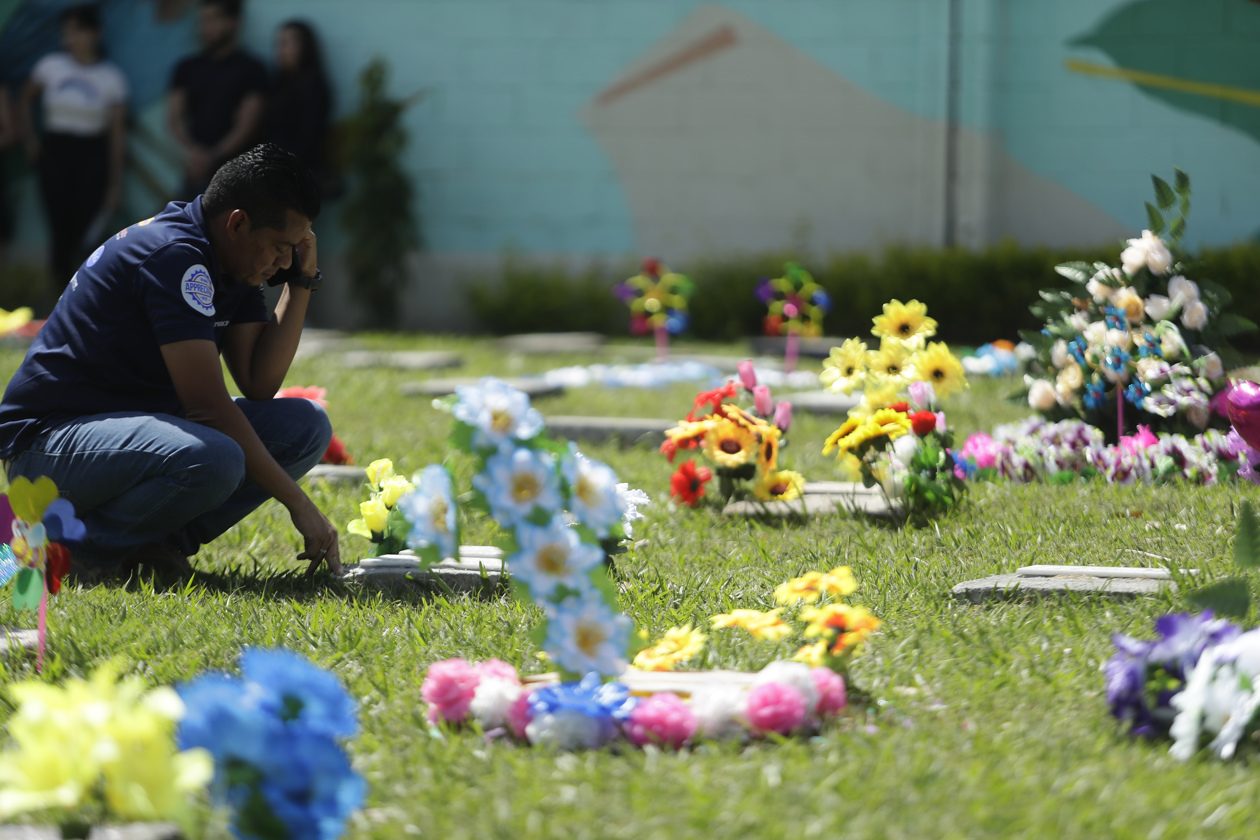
{"x":136,"y":479}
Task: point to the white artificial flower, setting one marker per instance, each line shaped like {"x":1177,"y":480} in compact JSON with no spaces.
{"x":1199,"y":416}
{"x":1025,"y":352}
{"x":1158,"y":257}
{"x":1095,"y":333}
{"x":720,"y":710}
{"x":904,"y":448}
{"x":796,"y":674}
{"x":584,"y":634}
{"x":1128,"y":300}
{"x":551,"y":556}
{"x":1059,"y":354}
{"x":1182,"y":292}
{"x":497,"y":412}
{"x":515,"y":482}
{"x":1079,"y":321}
{"x":595,"y":499}
{"x":631,"y":499}
{"x":1158,"y":307}
{"x":1041,"y":395}
{"x":1133,"y":258}
{"x":1195,"y":316}
{"x":894,"y":483}
{"x":1123,"y":339}
{"x":1171,"y":343}
{"x":1151,"y":369}
{"x":565,"y":729}
{"x":1219,"y":697}
{"x":1212,"y":366}
{"x":1068,"y":382}
{"x":431,"y":511}
{"x":492,"y":700}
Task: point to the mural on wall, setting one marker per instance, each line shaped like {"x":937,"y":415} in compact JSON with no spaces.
{"x":726,"y":137}
{"x":1202,"y":57}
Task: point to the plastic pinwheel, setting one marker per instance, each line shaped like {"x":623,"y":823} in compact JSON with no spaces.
{"x":38,"y":522}
{"x":795,"y":303}
{"x":657,"y":298}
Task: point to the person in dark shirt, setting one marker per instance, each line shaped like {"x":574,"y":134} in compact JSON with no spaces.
{"x":300,"y":105}
{"x":216,"y":98}
{"x":121,"y":399}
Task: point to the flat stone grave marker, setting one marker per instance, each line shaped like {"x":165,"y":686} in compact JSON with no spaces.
{"x":823,"y":498}
{"x":402,"y":359}
{"x":337,"y":474}
{"x":132,"y":831}
{"x":315,"y":342}
{"x":776,"y":345}
{"x":535,"y":387}
{"x":395,"y":571}
{"x":543,"y":343}
{"x":821,"y":402}
{"x":1034,"y":581}
{"x":13,"y":639}
{"x":629,"y":430}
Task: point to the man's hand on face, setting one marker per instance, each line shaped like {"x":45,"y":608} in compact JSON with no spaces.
{"x":320,"y":538}
{"x":307,"y":260}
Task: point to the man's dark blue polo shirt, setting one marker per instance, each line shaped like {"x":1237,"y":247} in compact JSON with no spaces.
{"x":153,"y":283}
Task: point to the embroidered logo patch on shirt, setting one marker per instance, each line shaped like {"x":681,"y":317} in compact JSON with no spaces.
{"x":198,"y":290}
{"x":96,"y":256}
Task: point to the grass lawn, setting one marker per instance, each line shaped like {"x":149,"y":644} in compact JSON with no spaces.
{"x":986,"y":721}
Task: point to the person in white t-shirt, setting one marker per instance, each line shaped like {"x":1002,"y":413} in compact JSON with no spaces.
{"x":80,"y":155}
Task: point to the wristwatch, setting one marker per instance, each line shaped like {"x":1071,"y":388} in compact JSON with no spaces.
{"x":311,"y":283}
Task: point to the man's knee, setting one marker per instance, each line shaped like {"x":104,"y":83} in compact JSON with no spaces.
{"x":312,"y":430}
{"x":214,"y":467}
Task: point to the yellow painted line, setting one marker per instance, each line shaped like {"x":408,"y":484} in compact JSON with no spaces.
{"x":1246,"y":96}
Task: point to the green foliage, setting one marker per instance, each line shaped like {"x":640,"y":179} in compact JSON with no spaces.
{"x":532,"y":298}
{"x":1232,"y":596}
{"x":21,"y":284}
{"x":377,"y":215}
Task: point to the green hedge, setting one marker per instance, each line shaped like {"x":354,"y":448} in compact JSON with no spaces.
{"x":976,"y":296}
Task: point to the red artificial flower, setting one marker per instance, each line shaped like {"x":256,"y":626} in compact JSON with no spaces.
{"x":772,"y":325}
{"x":669,"y":449}
{"x":336,"y":453}
{"x":688,"y":483}
{"x":56,"y":566}
{"x":639,"y":325}
{"x":651,"y":266}
{"x":923,"y":422}
{"x":901,"y":406}
{"x":712,"y":398}
{"x":305,"y":392}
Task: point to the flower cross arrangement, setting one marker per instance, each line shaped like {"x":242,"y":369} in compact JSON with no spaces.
{"x":795,"y":307}
{"x":896,"y":437}
{"x":38,"y":523}
{"x":561,"y":514}
{"x":1141,"y":334}
{"x":657,"y":298}
{"x":742,"y":445}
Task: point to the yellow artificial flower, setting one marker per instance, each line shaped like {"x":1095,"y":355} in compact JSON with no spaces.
{"x":359,"y":527}
{"x":768,"y":448}
{"x":883,"y":423}
{"x":890,"y":423}
{"x":762,"y":625}
{"x":848,"y":467}
{"x":375,"y":515}
{"x":729,"y":444}
{"x":677,"y":646}
{"x":394,"y":488}
{"x":813,"y":655}
{"x":880,"y":392}
{"x":378,"y":471}
{"x":779,"y":486}
{"x":906,"y":322}
{"x":838,"y":582}
{"x":687,"y":431}
{"x":15,"y":320}
{"x":803,"y":588}
{"x":844,"y":371}
{"x":892,"y":364}
{"x":849,"y":626}
{"x":847,"y":428}
{"x":941,"y":368}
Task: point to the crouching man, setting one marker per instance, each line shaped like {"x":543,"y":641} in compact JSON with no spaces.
{"x":121,"y":399}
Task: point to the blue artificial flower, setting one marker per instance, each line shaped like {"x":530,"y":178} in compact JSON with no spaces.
{"x":822,"y":300}
{"x":318,"y":805}
{"x":235,"y":721}
{"x":1093,"y":395}
{"x":585,"y":634}
{"x":552,"y":556}
{"x":515,"y":482}
{"x":1077,"y":348}
{"x":676,"y":321}
{"x":432,"y":512}
{"x":1115,"y":318}
{"x":497,"y":412}
{"x":310,"y":695}
{"x":1137,"y":392}
{"x":1116,"y":360}
{"x":608,"y":704}
{"x":593,"y":488}
{"x":1151,"y":347}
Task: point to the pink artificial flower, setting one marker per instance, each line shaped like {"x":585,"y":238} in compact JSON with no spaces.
{"x":519,"y":714}
{"x":497,"y":668}
{"x":775,"y":707}
{"x":922,"y":396}
{"x":940,"y":422}
{"x":448,"y":688}
{"x":1243,"y":403}
{"x":783,"y":416}
{"x":1143,"y":439}
{"x":762,"y":403}
{"x":746,"y":374}
{"x":1220,"y":400}
{"x":662,"y":719}
{"x":980,"y":448}
{"x":307,"y":392}
{"x":832,"y":696}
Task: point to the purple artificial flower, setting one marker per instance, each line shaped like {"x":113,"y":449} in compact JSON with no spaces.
{"x":746,"y":374}
{"x":763,"y":403}
{"x":625,"y":292}
{"x":783,"y":415}
{"x":765,"y":290}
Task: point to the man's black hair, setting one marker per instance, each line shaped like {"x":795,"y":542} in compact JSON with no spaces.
{"x":264,"y":182}
{"x":229,"y":8}
{"x":86,"y":15}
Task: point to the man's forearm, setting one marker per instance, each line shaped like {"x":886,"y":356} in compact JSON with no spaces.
{"x":260,"y":467}
{"x":276,"y":347}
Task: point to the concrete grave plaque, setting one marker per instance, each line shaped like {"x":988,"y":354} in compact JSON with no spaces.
{"x":402,"y":571}
{"x":337,"y":474}
{"x":629,"y":430}
{"x":1040,"y":581}
{"x":535,"y":387}
{"x":821,"y":402}
{"x":776,"y":345}
{"x":402,"y":359}
{"x":542,"y":343}
{"x":837,"y":497}
{"x":14,"y":639}
{"x":132,"y":831}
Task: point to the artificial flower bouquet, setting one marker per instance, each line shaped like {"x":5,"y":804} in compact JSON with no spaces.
{"x":336,"y":453}
{"x":1141,"y":334}
{"x":896,"y":436}
{"x":795,"y":304}
{"x":783,"y":698}
{"x":742,"y":445}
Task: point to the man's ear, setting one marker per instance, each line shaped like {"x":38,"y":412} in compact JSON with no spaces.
{"x":238,"y":224}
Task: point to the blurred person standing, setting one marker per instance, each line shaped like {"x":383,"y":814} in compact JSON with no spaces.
{"x":8,"y":138}
{"x":216,"y":97}
{"x":80,"y":155}
{"x":300,"y":105}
